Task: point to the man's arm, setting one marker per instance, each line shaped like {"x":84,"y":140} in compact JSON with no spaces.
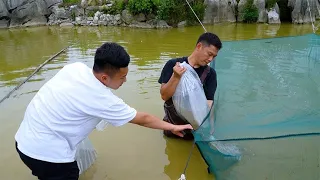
{"x":150,"y":121}
{"x":210,"y":102}
{"x":210,"y":87}
{"x":167,"y":89}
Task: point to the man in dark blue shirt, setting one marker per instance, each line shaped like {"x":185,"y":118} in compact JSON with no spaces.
{"x":207,"y":48}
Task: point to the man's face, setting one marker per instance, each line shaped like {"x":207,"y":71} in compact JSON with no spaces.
{"x":205,"y":54}
{"x":115,"y":81}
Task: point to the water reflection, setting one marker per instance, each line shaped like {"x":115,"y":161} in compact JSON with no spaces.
{"x":178,"y":153}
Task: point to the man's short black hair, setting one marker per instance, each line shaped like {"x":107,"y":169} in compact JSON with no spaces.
{"x":110,"y":57}
{"x":210,"y":39}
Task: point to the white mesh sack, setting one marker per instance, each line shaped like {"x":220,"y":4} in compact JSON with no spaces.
{"x":189,"y":98}
{"x":85,"y":155}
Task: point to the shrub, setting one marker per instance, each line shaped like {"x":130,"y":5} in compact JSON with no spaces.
{"x":175,"y":11}
{"x":66,"y":3}
{"x":91,"y":13}
{"x":172,"y":11}
{"x":199,"y":8}
{"x":250,"y":12}
{"x":116,"y":8}
{"x":270,"y":4}
{"x":142,"y":6}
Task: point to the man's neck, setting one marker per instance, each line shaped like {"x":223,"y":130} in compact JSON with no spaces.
{"x":96,"y":75}
{"x":192,"y":61}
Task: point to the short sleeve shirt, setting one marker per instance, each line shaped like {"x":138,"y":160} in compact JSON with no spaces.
{"x":65,"y":111}
{"x":210,"y":83}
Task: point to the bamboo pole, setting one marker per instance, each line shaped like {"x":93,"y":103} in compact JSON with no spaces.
{"x":34,"y":72}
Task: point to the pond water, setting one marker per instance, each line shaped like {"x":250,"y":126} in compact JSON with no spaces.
{"x":130,"y":151}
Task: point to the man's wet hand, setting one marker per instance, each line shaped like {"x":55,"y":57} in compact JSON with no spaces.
{"x":178,"y":70}
{"x":178,"y":128}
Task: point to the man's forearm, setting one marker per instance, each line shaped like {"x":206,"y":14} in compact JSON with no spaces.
{"x":155,"y":123}
{"x":150,"y":121}
{"x":167,"y":90}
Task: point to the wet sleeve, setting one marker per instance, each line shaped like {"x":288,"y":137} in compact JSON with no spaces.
{"x":166,"y":72}
{"x":211,"y":85}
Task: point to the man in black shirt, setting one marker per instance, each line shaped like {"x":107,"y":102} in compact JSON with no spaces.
{"x":207,"y":48}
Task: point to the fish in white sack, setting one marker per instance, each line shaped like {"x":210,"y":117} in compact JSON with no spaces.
{"x":189,"y":98}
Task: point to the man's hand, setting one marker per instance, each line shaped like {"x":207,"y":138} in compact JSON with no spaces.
{"x":150,"y":121}
{"x":167,"y":89}
{"x":178,"y":128}
{"x":178,"y":70}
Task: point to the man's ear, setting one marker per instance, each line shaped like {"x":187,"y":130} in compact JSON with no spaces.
{"x":105,"y":79}
{"x":198,"y":46}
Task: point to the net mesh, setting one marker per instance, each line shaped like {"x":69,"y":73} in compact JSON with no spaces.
{"x":266,"y":117}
